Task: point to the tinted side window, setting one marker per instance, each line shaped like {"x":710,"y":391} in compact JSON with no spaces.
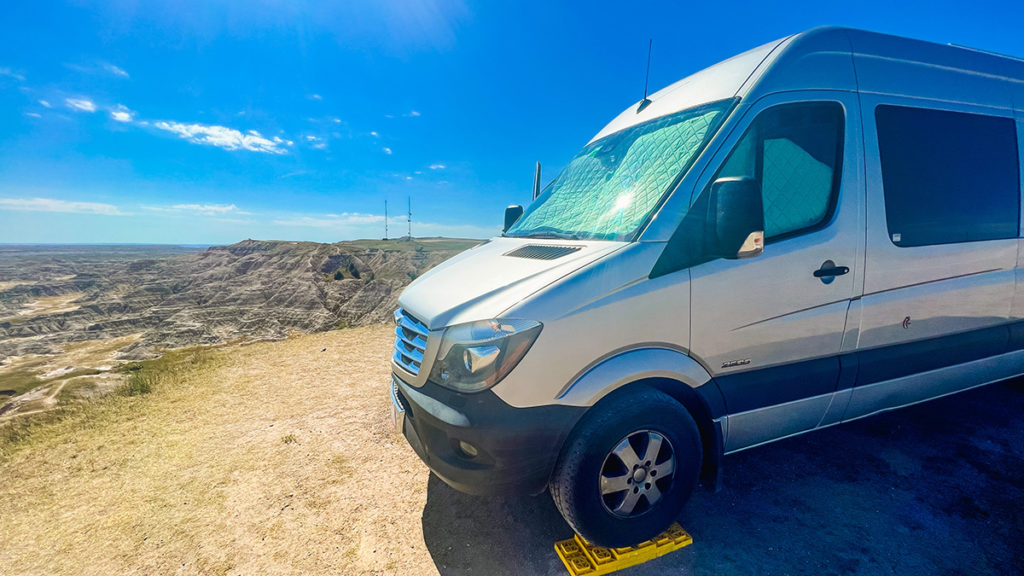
{"x":947,"y":176}
{"x":794,"y":152}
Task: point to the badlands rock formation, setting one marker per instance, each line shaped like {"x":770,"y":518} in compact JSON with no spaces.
{"x":170,"y":298}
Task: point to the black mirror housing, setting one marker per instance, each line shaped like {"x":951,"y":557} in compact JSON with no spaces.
{"x":512,"y":215}
{"x":735,"y":224}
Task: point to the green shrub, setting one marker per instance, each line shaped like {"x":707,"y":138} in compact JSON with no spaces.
{"x":138,"y":383}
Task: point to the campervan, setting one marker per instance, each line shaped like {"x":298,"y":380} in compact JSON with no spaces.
{"x":814,"y":231}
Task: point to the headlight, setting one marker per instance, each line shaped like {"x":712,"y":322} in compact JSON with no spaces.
{"x":475,"y":356}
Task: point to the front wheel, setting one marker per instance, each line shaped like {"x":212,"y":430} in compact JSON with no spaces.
{"x":628,"y":468}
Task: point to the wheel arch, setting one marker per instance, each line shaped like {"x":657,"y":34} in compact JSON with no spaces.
{"x":670,"y":371}
{"x":711,"y":437}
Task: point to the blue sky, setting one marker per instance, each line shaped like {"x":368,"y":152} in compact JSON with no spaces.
{"x":170,"y":121}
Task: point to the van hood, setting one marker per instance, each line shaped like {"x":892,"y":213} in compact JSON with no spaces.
{"x":485,"y":281}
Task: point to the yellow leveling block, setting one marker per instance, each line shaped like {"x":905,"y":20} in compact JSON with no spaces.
{"x":581,"y":557}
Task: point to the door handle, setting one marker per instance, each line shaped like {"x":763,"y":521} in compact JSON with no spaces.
{"x":832,"y":271}
{"x":829,"y":271}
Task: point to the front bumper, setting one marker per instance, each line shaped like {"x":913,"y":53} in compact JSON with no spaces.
{"x":516,"y":447}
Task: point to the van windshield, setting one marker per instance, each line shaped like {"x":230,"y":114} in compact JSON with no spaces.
{"x":608,"y":190}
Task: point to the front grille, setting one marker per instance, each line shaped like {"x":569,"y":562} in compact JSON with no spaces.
{"x":410,"y":341}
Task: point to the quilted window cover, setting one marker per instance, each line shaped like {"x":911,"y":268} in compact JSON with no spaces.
{"x":609,"y":188}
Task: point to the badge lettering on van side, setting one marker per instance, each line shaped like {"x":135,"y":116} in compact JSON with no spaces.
{"x":734,"y":363}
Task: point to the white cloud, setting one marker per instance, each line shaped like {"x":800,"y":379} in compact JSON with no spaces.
{"x":316,"y":97}
{"x":387,"y":150}
{"x":54,"y":205}
{"x":11,"y":74}
{"x":115,"y":70}
{"x":330,"y":227}
{"x":431,"y":229}
{"x":331,"y":220}
{"x":80,"y":104}
{"x":121,"y":114}
{"x":413,"y":114}
{"x":336,"y":120}
{"x":316,"y":143}
{"x":98,"y":68}
{"x":224,"y":137}
{"x":437,"y":166}
{"x":203,"y":209}
{"x":374,"y":134}
{"x":34,"y":114}
{"x":214,"y":208}
{"x":45,"y":104}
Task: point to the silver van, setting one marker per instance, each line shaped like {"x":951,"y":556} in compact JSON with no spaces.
{"x":819,"y":229}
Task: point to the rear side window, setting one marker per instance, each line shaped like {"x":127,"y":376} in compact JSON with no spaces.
{"x":947,"y":176}
{"x":794,"y":152}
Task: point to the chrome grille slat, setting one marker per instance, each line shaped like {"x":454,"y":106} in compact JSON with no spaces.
{"x":407,"y":324}
{"x":409,"y":367}
{"x":412,"y":354}
{"x":410,"y":341}
{"x":416,"y":342}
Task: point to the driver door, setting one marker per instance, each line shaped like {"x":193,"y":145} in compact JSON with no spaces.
{"x":770,"y":328}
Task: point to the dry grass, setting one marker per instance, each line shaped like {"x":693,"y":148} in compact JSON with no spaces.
{"x":195,"y":477}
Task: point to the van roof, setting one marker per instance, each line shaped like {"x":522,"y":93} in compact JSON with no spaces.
{"x":844,"y":59}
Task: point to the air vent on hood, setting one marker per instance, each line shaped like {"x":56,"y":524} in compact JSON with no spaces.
{"x":542,"y":252}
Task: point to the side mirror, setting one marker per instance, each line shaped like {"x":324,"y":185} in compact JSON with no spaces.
{"x":735,"y":219}
{"x":512,"y":215}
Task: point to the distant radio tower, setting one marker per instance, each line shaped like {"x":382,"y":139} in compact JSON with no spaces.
{"x":385,"y":219}
{"x":410,"y":218}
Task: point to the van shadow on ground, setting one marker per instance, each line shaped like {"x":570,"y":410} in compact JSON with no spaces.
{"x":933,"y":489}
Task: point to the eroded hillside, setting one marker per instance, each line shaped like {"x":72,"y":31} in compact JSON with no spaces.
{"x":139,"y":301}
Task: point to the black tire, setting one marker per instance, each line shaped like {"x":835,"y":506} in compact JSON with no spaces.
{"x":576,"y":483}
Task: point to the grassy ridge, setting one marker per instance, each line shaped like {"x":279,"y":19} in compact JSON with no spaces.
{"x":141,"y":378}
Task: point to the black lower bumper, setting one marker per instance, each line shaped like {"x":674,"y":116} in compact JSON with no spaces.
{"x":516,"y":448}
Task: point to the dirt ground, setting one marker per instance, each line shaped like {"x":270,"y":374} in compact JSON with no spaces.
{"x":278,"y":458}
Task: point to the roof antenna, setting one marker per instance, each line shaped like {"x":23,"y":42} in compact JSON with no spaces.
{"x":536,"y":182}
{"x":646,"y":101}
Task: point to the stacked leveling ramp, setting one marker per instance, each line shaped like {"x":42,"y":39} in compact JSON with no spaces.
{"x":582,"y":558}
